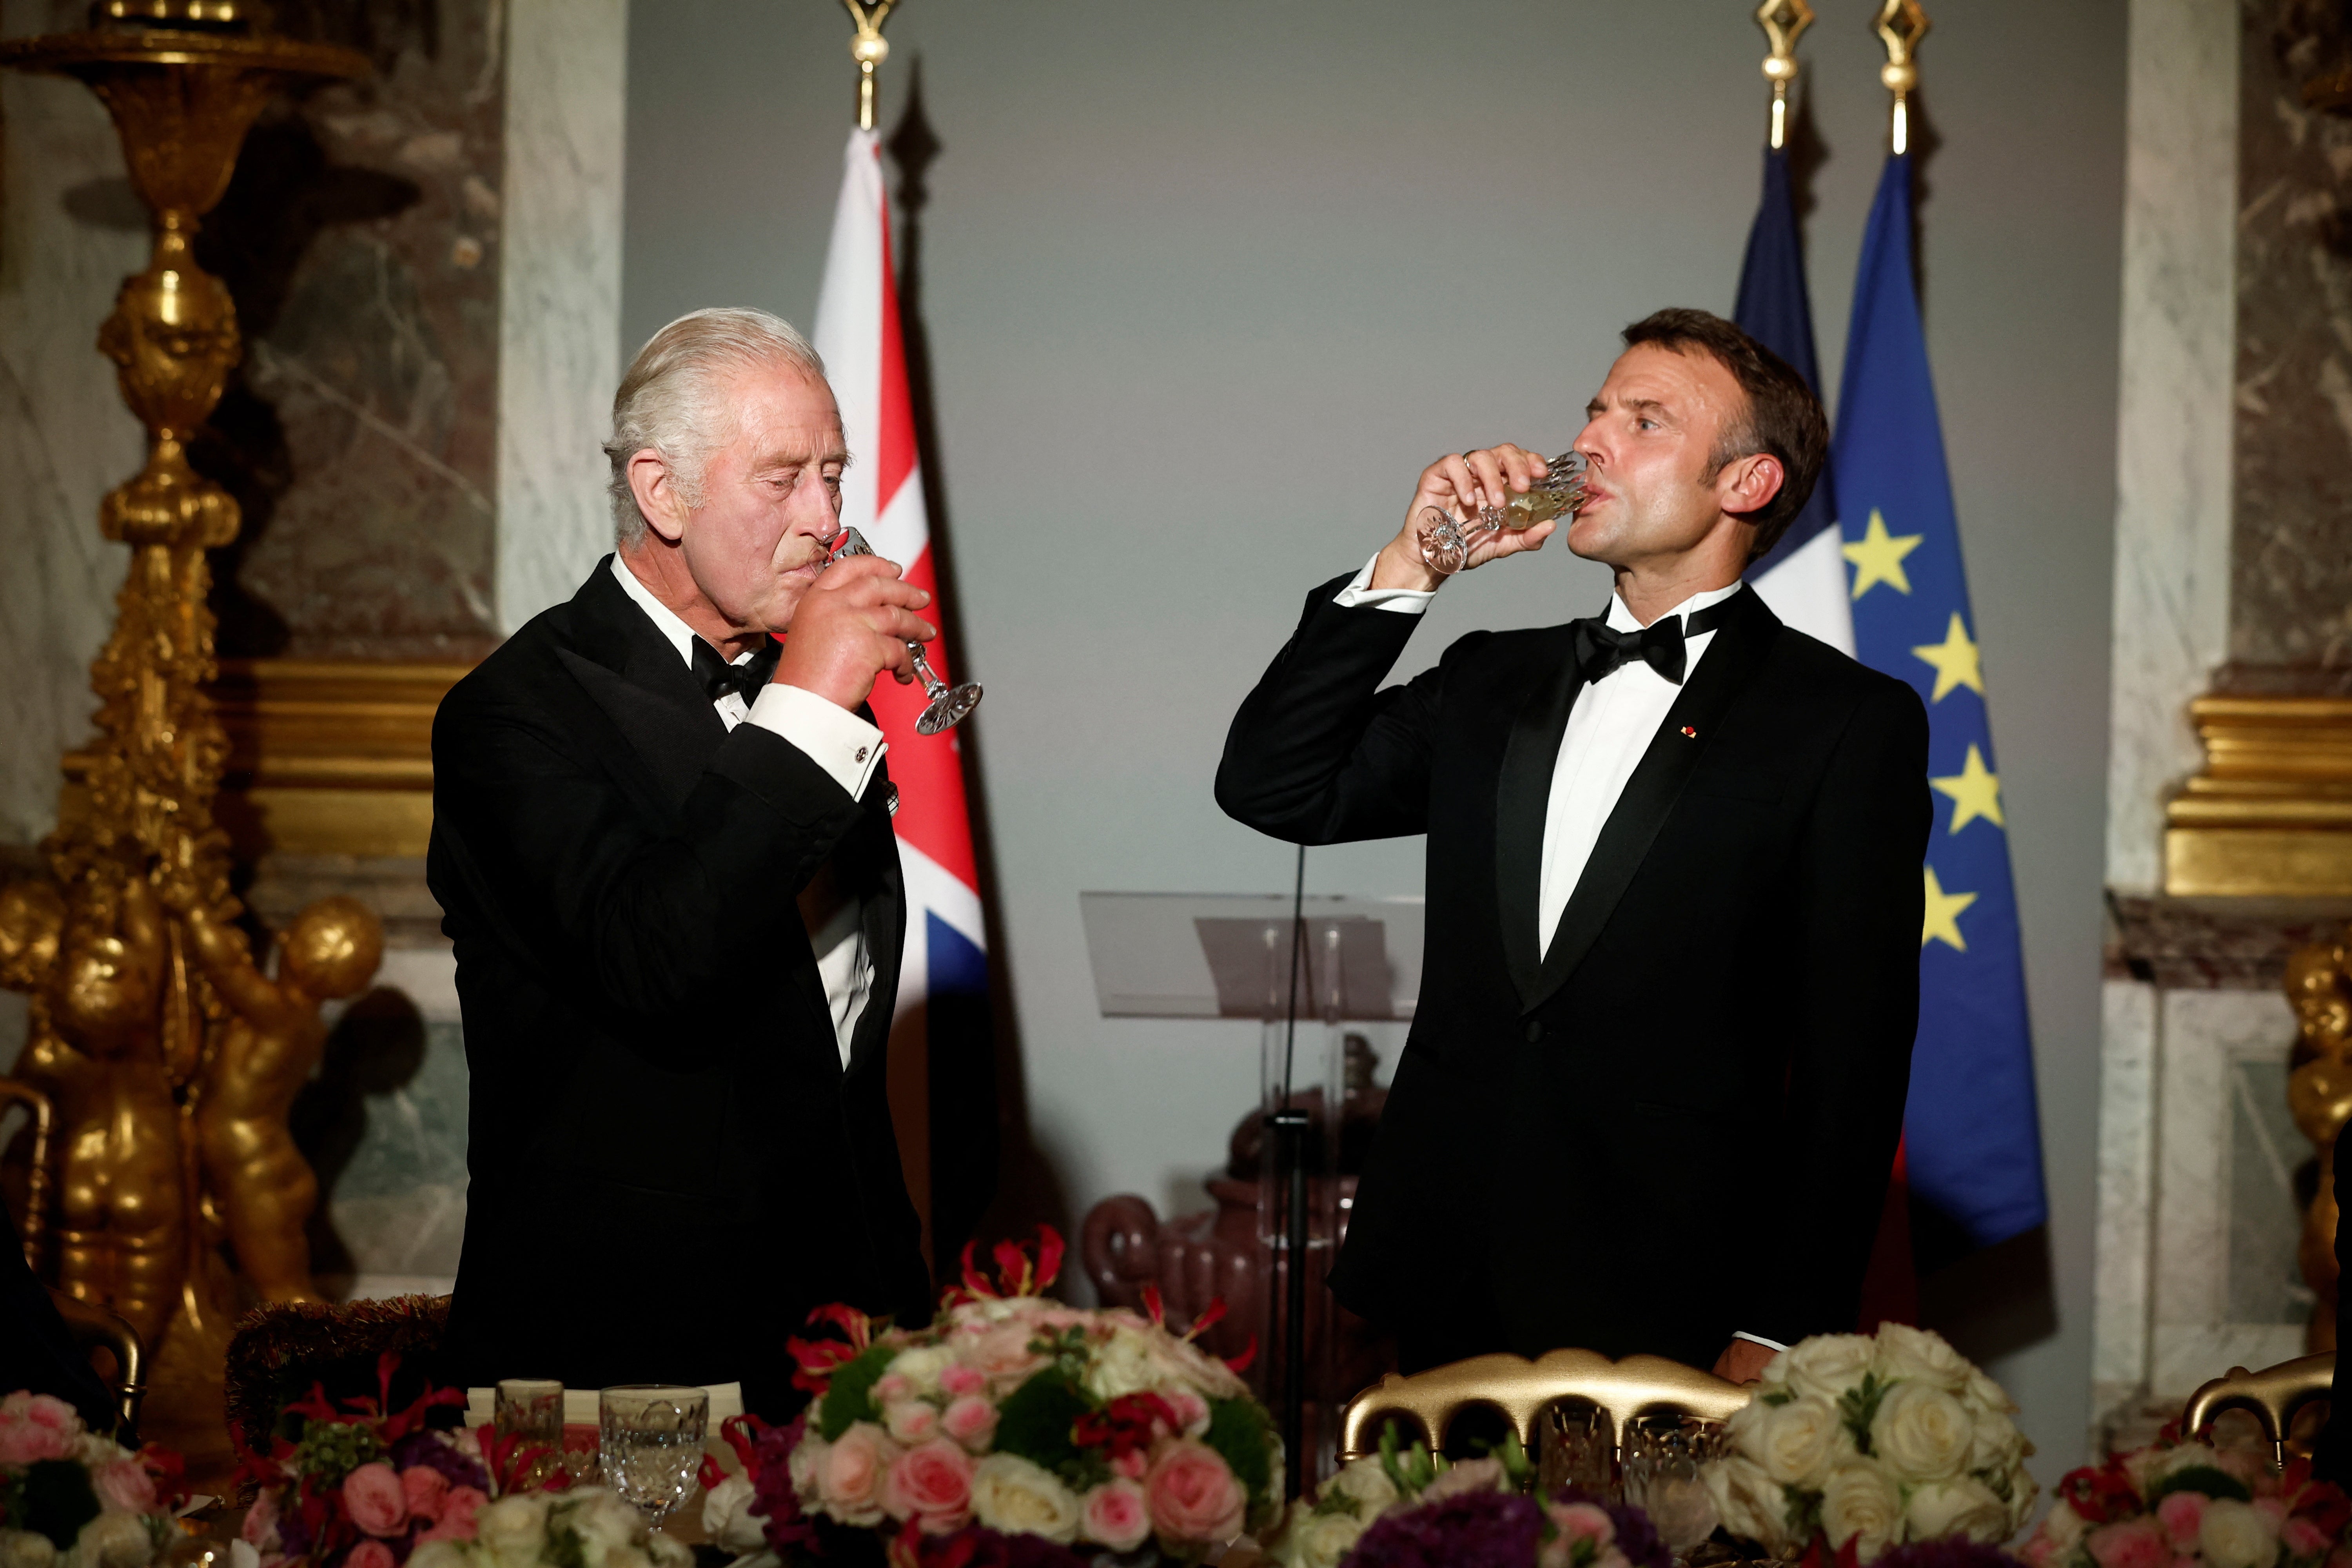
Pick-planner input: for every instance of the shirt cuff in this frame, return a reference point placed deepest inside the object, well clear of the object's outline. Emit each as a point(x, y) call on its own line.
point(1360, 594)
point(1758, 1339)
point(834, 738)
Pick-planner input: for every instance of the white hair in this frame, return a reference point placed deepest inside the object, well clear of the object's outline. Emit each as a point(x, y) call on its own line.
point(670, 400)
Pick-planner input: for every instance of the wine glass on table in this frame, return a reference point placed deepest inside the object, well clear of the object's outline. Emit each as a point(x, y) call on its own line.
point(1448, 541)
point(649, 1439)
point(949, 704)
point(531, 1410)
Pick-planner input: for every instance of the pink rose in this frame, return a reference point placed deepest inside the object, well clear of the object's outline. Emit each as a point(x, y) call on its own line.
point(35, 1426)
point(2136, 1543)
point(930, 1483)
point(2038, 1552)
point(2182, 1515)
point(259, 1530)
point(375, 1499)
point(457, 1511)
point(892, 1387)
point(1003, 1356)
point(2304, 1539)
point(911, 1421)
point(1194, 1498)
point(124, 1486)
point(1131, 1464)
point(1582, 1522)
point(970, 1419)
point(427, 1490)
point(2272, 1508)
point(960, 1380)
point(850, 1480)
point(369, 1554)
point(1117, 1515)
point(1192, 1411)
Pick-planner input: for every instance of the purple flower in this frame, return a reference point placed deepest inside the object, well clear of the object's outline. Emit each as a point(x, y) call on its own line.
point(1956, 1551)
point(1472, 1530)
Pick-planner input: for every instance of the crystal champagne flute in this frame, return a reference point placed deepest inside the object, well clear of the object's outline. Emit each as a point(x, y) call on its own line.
point(949, 704)
point(1446, 541)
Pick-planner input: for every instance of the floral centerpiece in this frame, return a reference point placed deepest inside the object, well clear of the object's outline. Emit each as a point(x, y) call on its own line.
point(1870, 1441)
point(369, 1487)
point(71, 1498)
point(2181, 1504)
point(1410, 1509)
point(1012, 1429)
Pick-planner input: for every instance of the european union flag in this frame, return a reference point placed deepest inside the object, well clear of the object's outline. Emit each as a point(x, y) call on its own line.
point(1972, 1137)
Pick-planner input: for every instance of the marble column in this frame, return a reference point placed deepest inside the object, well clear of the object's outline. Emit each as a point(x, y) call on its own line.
point(560, 315)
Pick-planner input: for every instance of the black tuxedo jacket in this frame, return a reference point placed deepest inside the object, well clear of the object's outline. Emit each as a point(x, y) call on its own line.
point(670, 1166)
point(1678, 1121)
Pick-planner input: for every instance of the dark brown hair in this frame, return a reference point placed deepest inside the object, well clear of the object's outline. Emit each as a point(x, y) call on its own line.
point(1783, 418)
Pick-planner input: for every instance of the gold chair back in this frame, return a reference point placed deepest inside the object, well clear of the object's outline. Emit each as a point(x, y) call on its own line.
point(91, 1326)
point(2273, 1395)
point(1521, 1388)
point(36, 1184)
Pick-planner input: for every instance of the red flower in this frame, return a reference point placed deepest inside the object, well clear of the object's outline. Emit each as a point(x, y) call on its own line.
point(2100, 1495)
point(1130, 1423)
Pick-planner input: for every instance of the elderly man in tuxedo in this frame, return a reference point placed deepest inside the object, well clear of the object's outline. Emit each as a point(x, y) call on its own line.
point(662, 842)
point(1657, 1076)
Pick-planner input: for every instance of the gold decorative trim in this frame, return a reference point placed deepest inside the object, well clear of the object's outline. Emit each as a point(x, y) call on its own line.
point(2272, 814)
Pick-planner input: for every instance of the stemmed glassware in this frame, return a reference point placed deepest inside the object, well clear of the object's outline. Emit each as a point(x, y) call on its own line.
point(650, 1440)
point(532, 1410)
point(1448, 541)
point(949, 704)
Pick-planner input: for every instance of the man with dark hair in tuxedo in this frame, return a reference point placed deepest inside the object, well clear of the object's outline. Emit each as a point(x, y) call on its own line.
point(663, 846)
point(1656, 1074)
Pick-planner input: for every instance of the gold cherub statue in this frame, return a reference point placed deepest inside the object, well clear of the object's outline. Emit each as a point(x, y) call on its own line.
point(2319, 1093)
point(267, 1048)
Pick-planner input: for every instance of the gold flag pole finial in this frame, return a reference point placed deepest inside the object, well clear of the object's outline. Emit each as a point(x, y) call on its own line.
point(869, 49)
point(1900, 25)
point(1784, 22)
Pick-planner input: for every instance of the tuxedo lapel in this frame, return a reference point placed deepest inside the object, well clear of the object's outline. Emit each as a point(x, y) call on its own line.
point(1522, 795)
point(1657, 783)
point(635, 676)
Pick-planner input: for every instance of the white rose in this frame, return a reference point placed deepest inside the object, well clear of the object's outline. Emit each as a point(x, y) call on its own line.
point(1367, 1481)
point(113, 1540)
point(1963, 1507)
point(804, 1464)
point(1749, 1501)
point(1921, 1432)
point(921, 1366)
point(428, 1554)
point(2062, 1527)
point(1920, 1355)
point(1827, 1365)
point(1797, 1442)
point(243, 1554)
point(25, 1549)
point(1122, 1365)
point(1319, 1541)
point(512, 1529)
point(664, 1552)
point(727, 1518)
point(1994, 1442)
point(2236, 1535)
point(609, 1530)
point(1983, 1393)
point(1012, 1496)
point(2022, 1489)
point(1859, 1505)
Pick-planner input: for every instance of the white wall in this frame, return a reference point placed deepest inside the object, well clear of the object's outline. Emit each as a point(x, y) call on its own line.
point(1207, 284)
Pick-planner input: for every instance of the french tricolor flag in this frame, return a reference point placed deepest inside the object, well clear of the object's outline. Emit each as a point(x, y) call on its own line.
point(882, 497)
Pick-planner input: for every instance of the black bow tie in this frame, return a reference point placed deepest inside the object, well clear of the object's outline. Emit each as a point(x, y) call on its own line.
point(1600, 648)
point(718, 678)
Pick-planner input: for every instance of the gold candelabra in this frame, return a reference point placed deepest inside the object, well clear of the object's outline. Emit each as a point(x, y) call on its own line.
point(168, 1056)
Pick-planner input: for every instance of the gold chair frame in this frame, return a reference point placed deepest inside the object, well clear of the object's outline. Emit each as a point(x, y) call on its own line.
point(36, 1181)
point(2273, 1395)
point(1520, 1389)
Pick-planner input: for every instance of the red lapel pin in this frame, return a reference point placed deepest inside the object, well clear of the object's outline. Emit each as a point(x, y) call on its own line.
point(1691, 732)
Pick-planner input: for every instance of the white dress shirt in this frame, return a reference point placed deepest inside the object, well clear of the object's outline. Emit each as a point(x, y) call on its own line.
point(845, 746)
point(1612, 723)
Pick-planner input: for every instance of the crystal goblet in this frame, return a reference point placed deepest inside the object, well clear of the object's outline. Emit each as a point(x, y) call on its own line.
point(949, 704)
point(1448, 541)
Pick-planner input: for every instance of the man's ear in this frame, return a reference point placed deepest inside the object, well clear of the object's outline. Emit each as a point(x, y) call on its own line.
point(655, 485)
point(1747, 484)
